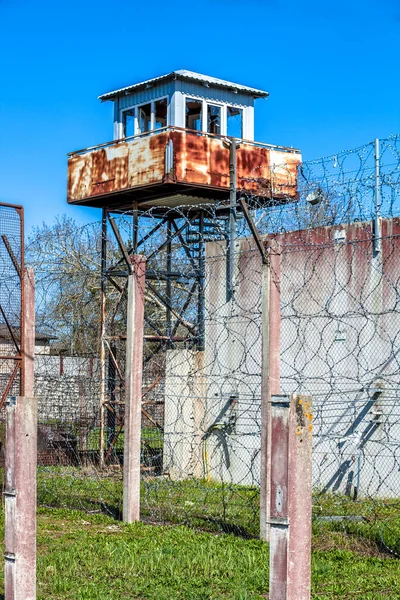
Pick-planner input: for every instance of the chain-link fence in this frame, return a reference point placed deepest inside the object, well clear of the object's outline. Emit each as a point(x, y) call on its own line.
point(11, 338)
point(201, 406)
point(11, 261)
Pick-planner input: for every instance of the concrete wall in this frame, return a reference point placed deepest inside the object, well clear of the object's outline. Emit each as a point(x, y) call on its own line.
point(67, 388)
point(340, 330)
point(184, 419)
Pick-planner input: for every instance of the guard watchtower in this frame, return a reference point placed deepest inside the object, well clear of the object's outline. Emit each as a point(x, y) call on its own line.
point(182, 164)
point(171, 147)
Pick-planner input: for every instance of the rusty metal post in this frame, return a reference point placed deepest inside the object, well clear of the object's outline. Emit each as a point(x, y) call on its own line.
point(230, 257)
point(270, 373)
point(133, 389)
point(102, 357)
point(290, 517)
point(20, 466)
point(377, 228)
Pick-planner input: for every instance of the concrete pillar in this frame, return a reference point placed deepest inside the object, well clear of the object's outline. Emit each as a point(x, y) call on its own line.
point(28, 333)
point(21, 464)
point(270, 372)
point(300, 497)
point(20, 498)
point(133, 390)
point(291, 485)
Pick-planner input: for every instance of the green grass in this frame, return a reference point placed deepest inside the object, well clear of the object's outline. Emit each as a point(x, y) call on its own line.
point(196, 502)
point(150, 435)
point(94, 557)
point(213, 506)
point(376, 520)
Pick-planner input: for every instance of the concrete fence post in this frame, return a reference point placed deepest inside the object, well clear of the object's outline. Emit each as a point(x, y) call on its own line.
point(291, 486)
point(28, 333)
point(133, 390)
point(270, 373)
point(20, 466)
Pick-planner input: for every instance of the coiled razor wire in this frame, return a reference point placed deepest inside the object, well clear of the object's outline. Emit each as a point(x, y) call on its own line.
point(340, 331)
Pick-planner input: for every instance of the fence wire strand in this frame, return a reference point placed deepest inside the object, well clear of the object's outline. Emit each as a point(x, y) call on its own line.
point(201, 406)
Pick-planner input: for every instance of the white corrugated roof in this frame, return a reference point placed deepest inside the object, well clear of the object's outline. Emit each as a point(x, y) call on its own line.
point(191, 76)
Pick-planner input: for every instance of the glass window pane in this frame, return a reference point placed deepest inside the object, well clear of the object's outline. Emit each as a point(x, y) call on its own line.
point(234, 122)
point(128, 121)
point(160, 117)
point(144, 118)
point(213, 119)
point(193, 114)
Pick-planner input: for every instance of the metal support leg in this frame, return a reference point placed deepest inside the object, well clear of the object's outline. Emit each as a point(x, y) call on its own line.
point(102, 390)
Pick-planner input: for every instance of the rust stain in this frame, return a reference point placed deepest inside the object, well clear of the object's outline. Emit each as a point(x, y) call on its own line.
point(109, 169)
point(197, 160)
point(304, 416)
point(147, 160)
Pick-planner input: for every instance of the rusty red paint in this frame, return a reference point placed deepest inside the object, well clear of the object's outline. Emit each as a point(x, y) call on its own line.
point(278, 564)
point(279, 498)
point(198, 160)
point(279, 464)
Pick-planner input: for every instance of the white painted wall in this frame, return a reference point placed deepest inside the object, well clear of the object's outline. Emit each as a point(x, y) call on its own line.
point(340, 324)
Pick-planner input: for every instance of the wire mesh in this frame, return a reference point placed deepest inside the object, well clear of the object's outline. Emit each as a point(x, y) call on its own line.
point(11, 264)
point(200, 456)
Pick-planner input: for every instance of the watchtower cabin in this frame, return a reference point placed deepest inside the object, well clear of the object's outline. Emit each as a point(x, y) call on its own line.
point(175, 138)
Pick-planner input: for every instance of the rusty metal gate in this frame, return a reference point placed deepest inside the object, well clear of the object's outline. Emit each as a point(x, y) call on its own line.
point(11, 300)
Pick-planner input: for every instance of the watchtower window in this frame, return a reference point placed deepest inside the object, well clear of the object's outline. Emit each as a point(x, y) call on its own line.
point(160, 113)
point(234, 120)
point(193, 114)
point(213, 119)
point(129, 122)
point(144, 118)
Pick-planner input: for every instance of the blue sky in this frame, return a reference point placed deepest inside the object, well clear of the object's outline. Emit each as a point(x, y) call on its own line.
point(332, 70)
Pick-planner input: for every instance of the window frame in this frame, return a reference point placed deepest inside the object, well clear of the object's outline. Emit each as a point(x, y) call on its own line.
point(241, 108)
point(222, 119)
point(202, 102)
point(224, 114)
point(135, 108)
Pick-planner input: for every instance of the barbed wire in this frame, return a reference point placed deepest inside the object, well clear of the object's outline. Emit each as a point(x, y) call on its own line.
point(201, 408)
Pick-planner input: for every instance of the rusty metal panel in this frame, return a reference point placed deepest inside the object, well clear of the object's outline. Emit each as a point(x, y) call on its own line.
point(117, 167)
point(261, 171)
point(284, 173)
point(147, 160)
point(109, 169)
point(79, 177)
point(198, 160)
point(266, 172)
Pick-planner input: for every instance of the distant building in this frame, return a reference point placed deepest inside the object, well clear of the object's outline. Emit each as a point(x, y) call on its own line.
point(7, 347)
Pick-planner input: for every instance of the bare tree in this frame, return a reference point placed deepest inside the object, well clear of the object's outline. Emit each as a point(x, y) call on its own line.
point(66, 259)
